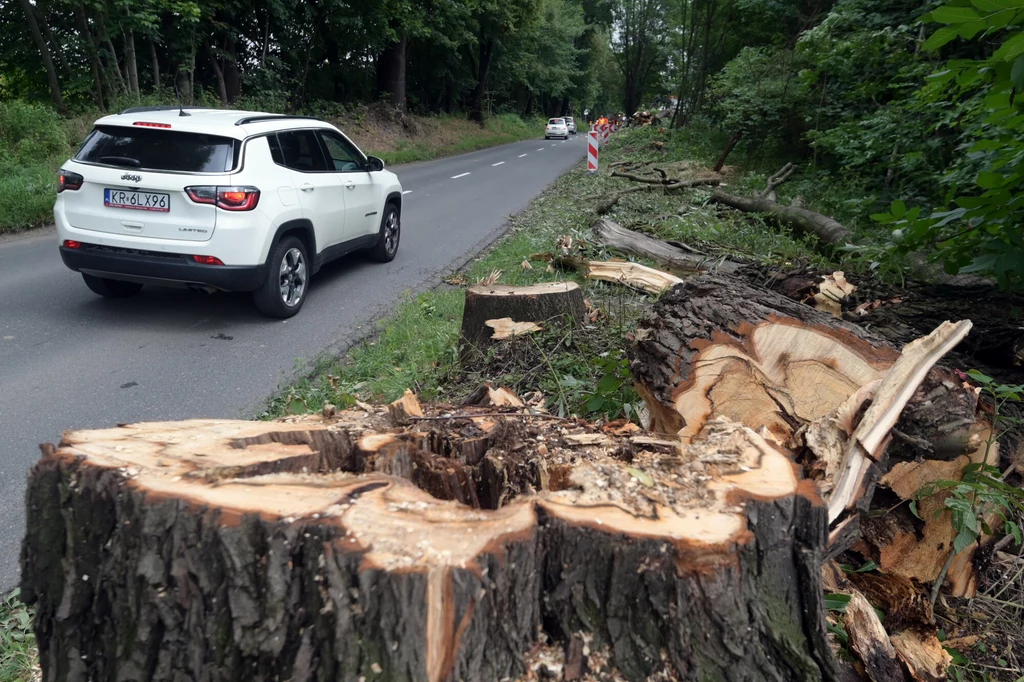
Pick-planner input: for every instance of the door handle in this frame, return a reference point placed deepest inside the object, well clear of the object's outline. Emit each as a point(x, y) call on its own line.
point(307, 187)
point(350, 184)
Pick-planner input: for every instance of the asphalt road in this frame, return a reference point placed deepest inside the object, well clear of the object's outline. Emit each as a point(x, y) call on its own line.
point(71, 360)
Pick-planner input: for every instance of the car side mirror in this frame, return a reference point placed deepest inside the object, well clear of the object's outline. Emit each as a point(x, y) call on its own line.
point(374, 164)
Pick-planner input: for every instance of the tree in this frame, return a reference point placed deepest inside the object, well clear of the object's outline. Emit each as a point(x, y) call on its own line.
point(44, 53)
point(640, 32)
point(979, 225)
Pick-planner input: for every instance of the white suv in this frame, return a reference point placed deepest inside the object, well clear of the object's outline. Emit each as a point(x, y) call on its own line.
point(221, 200)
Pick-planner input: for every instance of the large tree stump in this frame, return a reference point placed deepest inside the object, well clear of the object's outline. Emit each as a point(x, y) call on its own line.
point(228, 550)
point(545, 303)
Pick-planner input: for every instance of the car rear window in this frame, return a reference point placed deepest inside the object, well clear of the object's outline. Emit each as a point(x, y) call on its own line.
point(156, 149)
point(555, 121)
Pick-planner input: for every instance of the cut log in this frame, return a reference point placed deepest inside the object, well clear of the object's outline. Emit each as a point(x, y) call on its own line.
point(923, 655)
point(308, 550)
point(673, 259)
point(632, 275)
point(539, 304)
point(870, 641)
point(488, 396)
point(828, 230)
point(405, 408)
point(506, 328)
point(826, 360)
point(713, 347)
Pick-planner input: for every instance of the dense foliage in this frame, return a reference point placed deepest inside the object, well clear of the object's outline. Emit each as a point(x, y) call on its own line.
point(911, 107)
point(480, 56)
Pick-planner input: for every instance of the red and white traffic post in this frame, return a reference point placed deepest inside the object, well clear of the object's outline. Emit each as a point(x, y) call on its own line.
point(592, 145)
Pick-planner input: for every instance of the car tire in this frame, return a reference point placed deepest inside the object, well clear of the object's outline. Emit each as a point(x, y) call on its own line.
point(389, 236)
point(288, 272)
point(111, 288)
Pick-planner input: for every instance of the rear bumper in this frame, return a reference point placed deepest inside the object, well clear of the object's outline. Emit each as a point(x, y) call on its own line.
point(149, 267)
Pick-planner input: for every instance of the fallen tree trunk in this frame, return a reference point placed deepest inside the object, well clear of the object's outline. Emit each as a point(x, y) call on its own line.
point(675, 260)
point(307, 550)
point(828, 230)
point(715, 347)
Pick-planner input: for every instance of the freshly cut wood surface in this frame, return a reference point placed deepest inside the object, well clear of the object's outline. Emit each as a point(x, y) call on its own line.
point(308, 548)
point(509, 308)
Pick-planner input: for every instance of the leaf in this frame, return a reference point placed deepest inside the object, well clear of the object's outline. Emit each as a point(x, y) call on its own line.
point(1013, 47)
point(990, 180)
point(964, 539)
point(954, 15)
point(1017, 73)
point(643, 477)
point(609, 384)
point(968, 31)
point(936, 40)
point(899, 209)
point(836, 601)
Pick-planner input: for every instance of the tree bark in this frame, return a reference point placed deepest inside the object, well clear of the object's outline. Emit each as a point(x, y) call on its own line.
point(94, 57)
point(114, 64)
point(540, 303)
point(232, 80)
point(44, 52)
point(52, 42)
point(676, 260)
point(155, 63)
point(222, 90)
point(131, 62)
point(304, 550)
point(829, 231)
point(391, 72)
point(733, 140)
point(486, 51)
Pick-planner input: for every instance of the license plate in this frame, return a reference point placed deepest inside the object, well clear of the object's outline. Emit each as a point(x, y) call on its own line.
point(142, 201)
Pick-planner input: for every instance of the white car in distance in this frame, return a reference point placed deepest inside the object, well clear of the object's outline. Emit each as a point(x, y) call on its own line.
point(570, 123)
point(556, 128)
point(221, 200)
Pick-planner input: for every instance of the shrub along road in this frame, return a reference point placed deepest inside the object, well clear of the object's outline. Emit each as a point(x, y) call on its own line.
point(69, 359)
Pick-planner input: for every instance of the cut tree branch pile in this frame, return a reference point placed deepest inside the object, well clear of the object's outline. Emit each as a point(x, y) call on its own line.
point(487, 541)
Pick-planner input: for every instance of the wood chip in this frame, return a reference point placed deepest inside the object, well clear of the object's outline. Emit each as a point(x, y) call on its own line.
point(505, 328)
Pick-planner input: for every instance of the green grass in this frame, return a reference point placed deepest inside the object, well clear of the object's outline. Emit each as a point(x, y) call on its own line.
point(496, 131)
point(18, 655)
point(27, 194)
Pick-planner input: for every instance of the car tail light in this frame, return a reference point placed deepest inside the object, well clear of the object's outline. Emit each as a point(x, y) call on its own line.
point(147, 124)
point(68, 180)
point(227, 198)
point(208, 260)
point(72, 244)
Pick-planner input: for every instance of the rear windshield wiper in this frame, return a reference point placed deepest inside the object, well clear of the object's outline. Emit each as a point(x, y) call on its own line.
point(126, 161)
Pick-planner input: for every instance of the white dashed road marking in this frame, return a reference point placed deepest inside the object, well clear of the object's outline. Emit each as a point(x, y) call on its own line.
point(498, 164)
point(522, 155)
point(460, 175)
point(407, 191)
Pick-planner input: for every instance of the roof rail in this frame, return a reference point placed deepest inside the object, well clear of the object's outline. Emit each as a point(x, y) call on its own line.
point(169, 107)
point(270, 117)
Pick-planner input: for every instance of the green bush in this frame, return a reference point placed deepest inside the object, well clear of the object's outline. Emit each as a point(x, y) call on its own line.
point(27, 194)
point(29, 133)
